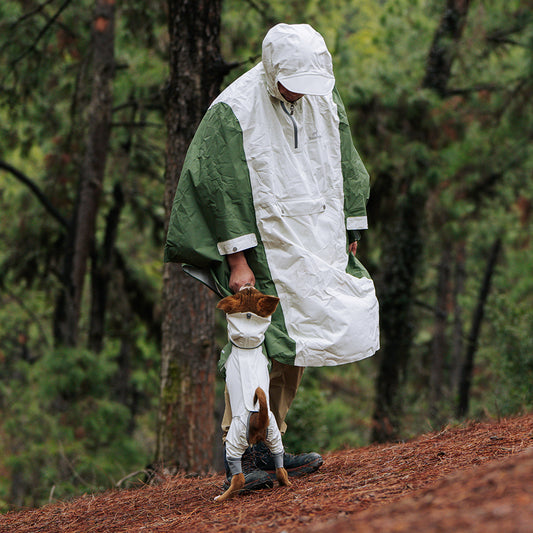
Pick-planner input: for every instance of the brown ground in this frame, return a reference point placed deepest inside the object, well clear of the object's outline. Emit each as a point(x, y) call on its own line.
point(475, 478)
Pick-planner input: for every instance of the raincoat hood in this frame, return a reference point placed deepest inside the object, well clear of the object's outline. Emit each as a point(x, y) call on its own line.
point(296, 56)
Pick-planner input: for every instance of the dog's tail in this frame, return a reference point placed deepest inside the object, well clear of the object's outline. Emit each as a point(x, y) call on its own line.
point(258, 421)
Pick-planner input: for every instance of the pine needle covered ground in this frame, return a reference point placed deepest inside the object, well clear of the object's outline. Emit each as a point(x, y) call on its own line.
point(477, 477)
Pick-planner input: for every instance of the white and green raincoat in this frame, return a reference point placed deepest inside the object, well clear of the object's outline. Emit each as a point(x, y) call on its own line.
point(284, 183)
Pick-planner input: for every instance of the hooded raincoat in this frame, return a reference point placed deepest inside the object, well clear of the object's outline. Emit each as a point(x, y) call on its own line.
point(284, 183)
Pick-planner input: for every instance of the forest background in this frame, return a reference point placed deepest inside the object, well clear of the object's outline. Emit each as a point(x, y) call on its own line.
point(438, 94)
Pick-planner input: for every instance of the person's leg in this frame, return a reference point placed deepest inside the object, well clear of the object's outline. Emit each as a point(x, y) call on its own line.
point(226, 418)
point(284, 383)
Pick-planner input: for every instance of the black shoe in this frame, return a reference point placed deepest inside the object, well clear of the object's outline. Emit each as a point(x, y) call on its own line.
point(296, 465)
point(254, 478)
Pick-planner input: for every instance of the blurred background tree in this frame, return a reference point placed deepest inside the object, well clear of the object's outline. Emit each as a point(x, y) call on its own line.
point(81, 225)
point(438, 97)
point(186, 425)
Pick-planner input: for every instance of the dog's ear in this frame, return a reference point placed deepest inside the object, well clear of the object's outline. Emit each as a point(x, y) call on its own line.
point(229, 304)
point(266, 305)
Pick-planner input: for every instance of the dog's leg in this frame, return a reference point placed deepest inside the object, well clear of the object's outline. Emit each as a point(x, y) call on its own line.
point(237, 483)
point(282, 477)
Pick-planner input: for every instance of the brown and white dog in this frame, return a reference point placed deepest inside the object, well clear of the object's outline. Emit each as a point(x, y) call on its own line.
point(248, 313)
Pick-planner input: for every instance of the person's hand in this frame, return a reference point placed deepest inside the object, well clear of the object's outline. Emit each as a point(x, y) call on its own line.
point(240, 273)
point(353, 247)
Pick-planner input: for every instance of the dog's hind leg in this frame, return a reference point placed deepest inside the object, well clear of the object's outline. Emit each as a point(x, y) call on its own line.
point(237, 478)
point(275, 446)
point(237, 483)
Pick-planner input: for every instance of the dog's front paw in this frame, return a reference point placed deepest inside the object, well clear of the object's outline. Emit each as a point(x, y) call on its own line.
point(283, 477)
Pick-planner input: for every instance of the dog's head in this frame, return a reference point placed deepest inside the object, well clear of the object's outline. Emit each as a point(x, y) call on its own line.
point(249, 300)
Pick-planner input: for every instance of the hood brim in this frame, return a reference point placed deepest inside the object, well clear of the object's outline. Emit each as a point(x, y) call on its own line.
point(313, 84)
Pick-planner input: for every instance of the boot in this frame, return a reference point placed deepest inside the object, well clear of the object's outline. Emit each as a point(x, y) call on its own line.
point(296, 465)
point(254, 478)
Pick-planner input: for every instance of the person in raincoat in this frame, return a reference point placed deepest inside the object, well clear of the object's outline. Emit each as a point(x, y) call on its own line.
point(273, 193)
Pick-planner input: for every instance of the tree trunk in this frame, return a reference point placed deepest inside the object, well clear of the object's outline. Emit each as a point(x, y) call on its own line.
point(104, 259)
point(102, 267)
point(186, 424)
point(439, 345)
point(473, 337)
point(459, 277)
point(404, 246)
point(444, 47)
point(82, 238)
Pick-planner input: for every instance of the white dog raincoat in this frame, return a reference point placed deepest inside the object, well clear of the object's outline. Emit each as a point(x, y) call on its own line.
point(247, 369)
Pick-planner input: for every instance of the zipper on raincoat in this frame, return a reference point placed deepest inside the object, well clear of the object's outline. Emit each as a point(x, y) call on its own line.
point(294, 125)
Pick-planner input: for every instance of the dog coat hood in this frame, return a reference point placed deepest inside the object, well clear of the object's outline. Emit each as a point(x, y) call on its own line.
point(247, 330)
point(284, 183)
point(297, 56)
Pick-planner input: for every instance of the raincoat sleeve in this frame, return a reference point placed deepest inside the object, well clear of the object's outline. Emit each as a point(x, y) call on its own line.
point(355, 177)
point(212, 214)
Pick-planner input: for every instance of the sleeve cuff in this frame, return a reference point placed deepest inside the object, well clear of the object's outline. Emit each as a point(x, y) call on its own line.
point(237, 245)
point(353, 223)
point(278, 460)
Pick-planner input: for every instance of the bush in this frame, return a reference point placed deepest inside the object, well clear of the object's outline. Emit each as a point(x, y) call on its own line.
point(63, 431)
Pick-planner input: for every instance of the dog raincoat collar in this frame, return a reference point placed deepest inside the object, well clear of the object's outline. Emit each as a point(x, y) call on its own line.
point(247, 330)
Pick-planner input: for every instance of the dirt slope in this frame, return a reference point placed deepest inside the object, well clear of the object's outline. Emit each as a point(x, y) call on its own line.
point(474, 478)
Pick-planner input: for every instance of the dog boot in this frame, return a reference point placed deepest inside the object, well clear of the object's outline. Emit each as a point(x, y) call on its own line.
point(254, 478)
point(296, 465)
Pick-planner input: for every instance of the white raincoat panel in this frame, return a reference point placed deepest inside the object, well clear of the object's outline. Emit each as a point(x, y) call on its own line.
point(294, 158)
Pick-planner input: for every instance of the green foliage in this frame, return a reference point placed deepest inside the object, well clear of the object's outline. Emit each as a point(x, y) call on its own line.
point(74, 420)
point(332, 409)
point(74, 373)
point(306, 421)
point(62, 428)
